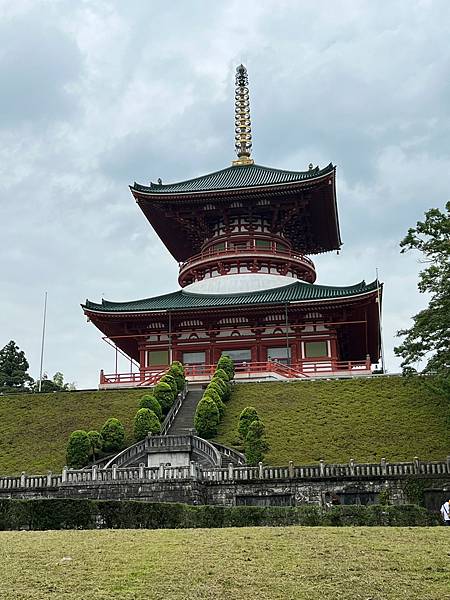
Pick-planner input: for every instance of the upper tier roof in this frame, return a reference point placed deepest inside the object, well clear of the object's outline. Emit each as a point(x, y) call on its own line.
point(181, 300)
point(234, 177)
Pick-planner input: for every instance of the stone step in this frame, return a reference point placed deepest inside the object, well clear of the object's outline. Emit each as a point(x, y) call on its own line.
point(185, 417)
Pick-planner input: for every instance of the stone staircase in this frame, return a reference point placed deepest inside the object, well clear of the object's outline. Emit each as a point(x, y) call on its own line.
point(184, 420)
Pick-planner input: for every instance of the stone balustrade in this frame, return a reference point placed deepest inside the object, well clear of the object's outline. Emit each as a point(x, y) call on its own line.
point(322, 471)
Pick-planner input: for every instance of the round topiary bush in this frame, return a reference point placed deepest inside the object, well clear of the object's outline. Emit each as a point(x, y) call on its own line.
point(164, 394)
point(222, 374)
point(206, 418)
point(113, 434)
point(149, 401)
point(255, 445)
point(211, 393)
point(95, 442)
point(247, 416)
point(227, 364)
point(177, 371)
point(78, 449)
point(170, 379)
point(226, 387)
point(145, 421)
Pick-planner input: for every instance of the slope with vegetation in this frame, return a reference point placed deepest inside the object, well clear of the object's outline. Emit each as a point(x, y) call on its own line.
point(336, 420)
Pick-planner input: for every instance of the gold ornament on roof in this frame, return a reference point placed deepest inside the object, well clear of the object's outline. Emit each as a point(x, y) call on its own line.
point(243, 127)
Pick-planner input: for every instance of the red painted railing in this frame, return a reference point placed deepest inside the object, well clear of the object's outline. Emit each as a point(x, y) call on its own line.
point(251, 252)
point(300, 370)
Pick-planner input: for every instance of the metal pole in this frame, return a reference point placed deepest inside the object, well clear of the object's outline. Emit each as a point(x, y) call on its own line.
point(383, 369)
point(288, 350)
point(42, 341)
point(170, 338)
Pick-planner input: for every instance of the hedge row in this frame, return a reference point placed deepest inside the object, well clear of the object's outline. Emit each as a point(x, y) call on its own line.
point(113, 514)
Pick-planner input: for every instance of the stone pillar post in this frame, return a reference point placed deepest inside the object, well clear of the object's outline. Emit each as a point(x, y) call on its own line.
point(49, 479)
point(261, 471)
point(352, 467)
point(94, 472)
point(230, 471)
point(64, 475)
point(161, 471)
point(23, 480)
point(448, 464)
point(141, 470)
point(291, 470)
point(114, 471)
point(192, 470)
point(416, 464)
point(383, 466)
point(322, 467)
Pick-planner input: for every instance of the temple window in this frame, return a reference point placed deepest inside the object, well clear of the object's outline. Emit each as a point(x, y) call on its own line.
point(194, 358)
point(281, 355)
point(157, 358)
point(316, 349)
point(239, 356)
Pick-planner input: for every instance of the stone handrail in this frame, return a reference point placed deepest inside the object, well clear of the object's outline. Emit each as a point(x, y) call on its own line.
point(234, 455)
point(193, 471)
point(170, 417)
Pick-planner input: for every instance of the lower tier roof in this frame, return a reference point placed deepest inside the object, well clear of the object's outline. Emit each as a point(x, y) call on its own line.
point(182, 300)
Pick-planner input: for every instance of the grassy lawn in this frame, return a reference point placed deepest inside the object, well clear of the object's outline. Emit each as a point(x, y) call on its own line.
point(364, 419)
point(264, 563)
point(34, 428)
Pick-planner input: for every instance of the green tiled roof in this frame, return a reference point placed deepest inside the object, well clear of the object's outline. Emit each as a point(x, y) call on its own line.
point(238, 176)
point(294, 292)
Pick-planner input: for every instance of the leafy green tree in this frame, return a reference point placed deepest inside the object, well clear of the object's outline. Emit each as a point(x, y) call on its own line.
point(227, 364)
point(14, 367)
point(95, 443)
point(113, 435)
point(149, 401)
point(429, 336)
point(165, 396)
point(255, 445)
point(78, 449)
point(206, 419)
point(247, 416)
point(145, 421)
point(56, 384)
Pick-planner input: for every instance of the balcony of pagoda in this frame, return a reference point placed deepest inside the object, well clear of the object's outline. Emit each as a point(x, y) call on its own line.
point(213, 263)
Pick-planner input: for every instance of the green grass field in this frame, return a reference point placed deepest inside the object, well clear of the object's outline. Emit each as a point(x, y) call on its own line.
point(364, 419)
point(306, 421)
point(34, 428)
point(236, 564)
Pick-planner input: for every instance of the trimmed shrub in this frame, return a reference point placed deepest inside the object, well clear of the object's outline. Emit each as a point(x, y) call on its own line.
point(214, 385)
point(170, 379)
point(95, 442)
point(78, 449)
point(226, 387)
point(206, 418)
point(67, 513)
point(222, 374)
point(247, 416)
point(177, 371)
point(145, 421)
point(113, 434)
point(255, 445)
point(227, 364)
point(212, 393)
point(149, 401)
point(165, 396)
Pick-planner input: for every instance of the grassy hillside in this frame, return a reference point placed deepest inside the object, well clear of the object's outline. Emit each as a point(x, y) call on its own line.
point(364, 419)
point(34, 427)
point(211, 564)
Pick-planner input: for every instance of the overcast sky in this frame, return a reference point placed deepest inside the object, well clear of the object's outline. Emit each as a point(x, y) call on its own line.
point(97, 94)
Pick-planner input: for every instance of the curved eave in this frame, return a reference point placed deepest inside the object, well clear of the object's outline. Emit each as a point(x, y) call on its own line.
point(158, 192)
point(97, 309)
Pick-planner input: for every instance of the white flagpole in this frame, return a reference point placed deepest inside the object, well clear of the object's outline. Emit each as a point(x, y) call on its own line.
point(42, 341)
point(380, 321)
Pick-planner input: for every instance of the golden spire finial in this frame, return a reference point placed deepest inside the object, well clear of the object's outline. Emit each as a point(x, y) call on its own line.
point(243, 126)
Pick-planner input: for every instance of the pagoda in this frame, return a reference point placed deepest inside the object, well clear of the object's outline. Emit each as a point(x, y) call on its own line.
point(243, 237)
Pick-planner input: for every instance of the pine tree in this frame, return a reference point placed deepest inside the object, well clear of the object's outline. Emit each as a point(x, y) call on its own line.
point(13, 369)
